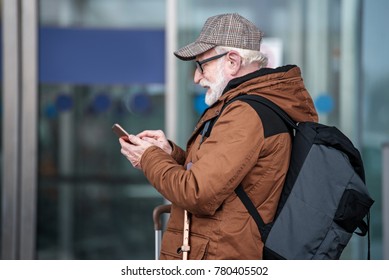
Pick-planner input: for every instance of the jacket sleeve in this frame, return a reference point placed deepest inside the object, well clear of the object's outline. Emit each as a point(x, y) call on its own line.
point(177, 154)
point(219, 164)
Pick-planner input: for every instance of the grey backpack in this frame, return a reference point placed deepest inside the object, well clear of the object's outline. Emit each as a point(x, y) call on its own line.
point(324, 199)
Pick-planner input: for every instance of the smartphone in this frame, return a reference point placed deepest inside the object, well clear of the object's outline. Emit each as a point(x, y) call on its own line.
point(119, 131)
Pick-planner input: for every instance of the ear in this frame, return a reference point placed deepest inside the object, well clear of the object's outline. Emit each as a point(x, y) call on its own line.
point(234, 63)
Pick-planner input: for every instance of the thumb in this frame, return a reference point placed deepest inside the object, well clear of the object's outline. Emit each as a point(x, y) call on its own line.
point(134, 139)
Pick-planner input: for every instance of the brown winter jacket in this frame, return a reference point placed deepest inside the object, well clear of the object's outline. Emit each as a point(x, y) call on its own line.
point(235, 152)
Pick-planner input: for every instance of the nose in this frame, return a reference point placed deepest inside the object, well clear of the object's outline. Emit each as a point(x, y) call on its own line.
point(197, 76)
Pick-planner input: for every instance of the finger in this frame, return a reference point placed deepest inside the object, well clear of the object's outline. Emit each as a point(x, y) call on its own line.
point(125, 138)
point(135, 140)
point(156, 134)
point(150, 140)
point(131, 156)
point(147, 133)
point(124, 141)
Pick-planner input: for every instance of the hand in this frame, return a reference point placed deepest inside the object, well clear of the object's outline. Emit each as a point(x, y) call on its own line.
point(133, 148)
point(157, 138)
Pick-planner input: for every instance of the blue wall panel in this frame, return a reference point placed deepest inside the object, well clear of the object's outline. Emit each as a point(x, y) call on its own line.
point(101, 56)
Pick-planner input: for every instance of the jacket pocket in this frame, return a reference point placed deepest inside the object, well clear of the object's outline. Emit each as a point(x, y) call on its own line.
point(172, 242)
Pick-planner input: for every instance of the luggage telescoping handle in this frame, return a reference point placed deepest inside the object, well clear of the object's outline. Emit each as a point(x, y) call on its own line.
point(185, 248)
point(157, 213)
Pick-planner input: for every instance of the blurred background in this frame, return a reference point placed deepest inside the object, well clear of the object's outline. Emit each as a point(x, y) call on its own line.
point(73, 68)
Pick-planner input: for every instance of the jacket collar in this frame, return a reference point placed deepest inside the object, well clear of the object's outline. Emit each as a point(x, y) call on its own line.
point(261, 72)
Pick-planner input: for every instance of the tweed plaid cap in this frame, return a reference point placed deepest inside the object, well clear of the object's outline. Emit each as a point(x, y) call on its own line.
point(230, 30)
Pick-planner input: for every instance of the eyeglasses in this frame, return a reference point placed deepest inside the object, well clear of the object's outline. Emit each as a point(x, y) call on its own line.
point(199, 64)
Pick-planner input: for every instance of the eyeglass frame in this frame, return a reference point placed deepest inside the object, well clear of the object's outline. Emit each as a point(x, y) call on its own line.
point(200, 63)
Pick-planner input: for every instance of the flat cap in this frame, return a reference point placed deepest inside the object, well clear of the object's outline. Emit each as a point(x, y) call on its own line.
point(230, 30)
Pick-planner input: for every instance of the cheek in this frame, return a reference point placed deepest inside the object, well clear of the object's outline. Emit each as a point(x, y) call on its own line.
point(211, 79)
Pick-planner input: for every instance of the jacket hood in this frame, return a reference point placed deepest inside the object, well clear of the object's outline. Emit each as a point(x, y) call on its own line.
point(283, 85)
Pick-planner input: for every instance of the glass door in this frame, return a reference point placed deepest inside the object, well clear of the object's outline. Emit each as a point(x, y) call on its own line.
point(100, 63)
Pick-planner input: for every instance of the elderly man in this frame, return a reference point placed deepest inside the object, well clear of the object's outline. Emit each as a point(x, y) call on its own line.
point(242, 149)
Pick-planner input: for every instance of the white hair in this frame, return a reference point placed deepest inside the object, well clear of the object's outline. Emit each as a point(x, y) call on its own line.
point(248, 56)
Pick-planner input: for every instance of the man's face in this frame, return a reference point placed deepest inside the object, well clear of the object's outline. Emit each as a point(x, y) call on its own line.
point(212, 78)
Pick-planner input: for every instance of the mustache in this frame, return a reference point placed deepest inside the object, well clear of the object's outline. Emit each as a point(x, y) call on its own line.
point(205, 83)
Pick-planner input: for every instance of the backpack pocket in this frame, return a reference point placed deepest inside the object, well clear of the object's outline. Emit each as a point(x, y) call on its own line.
point(333, 244)
point(352, 209)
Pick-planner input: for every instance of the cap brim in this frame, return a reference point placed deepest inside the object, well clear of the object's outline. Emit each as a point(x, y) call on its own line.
point(189, 52)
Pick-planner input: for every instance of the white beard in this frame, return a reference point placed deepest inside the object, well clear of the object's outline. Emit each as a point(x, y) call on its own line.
point(215, 89)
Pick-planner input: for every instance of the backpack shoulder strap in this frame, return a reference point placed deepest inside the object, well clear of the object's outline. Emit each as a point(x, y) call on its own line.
point(281, 113)
point(255, 101)
point(271, 126)
point(251, 99)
